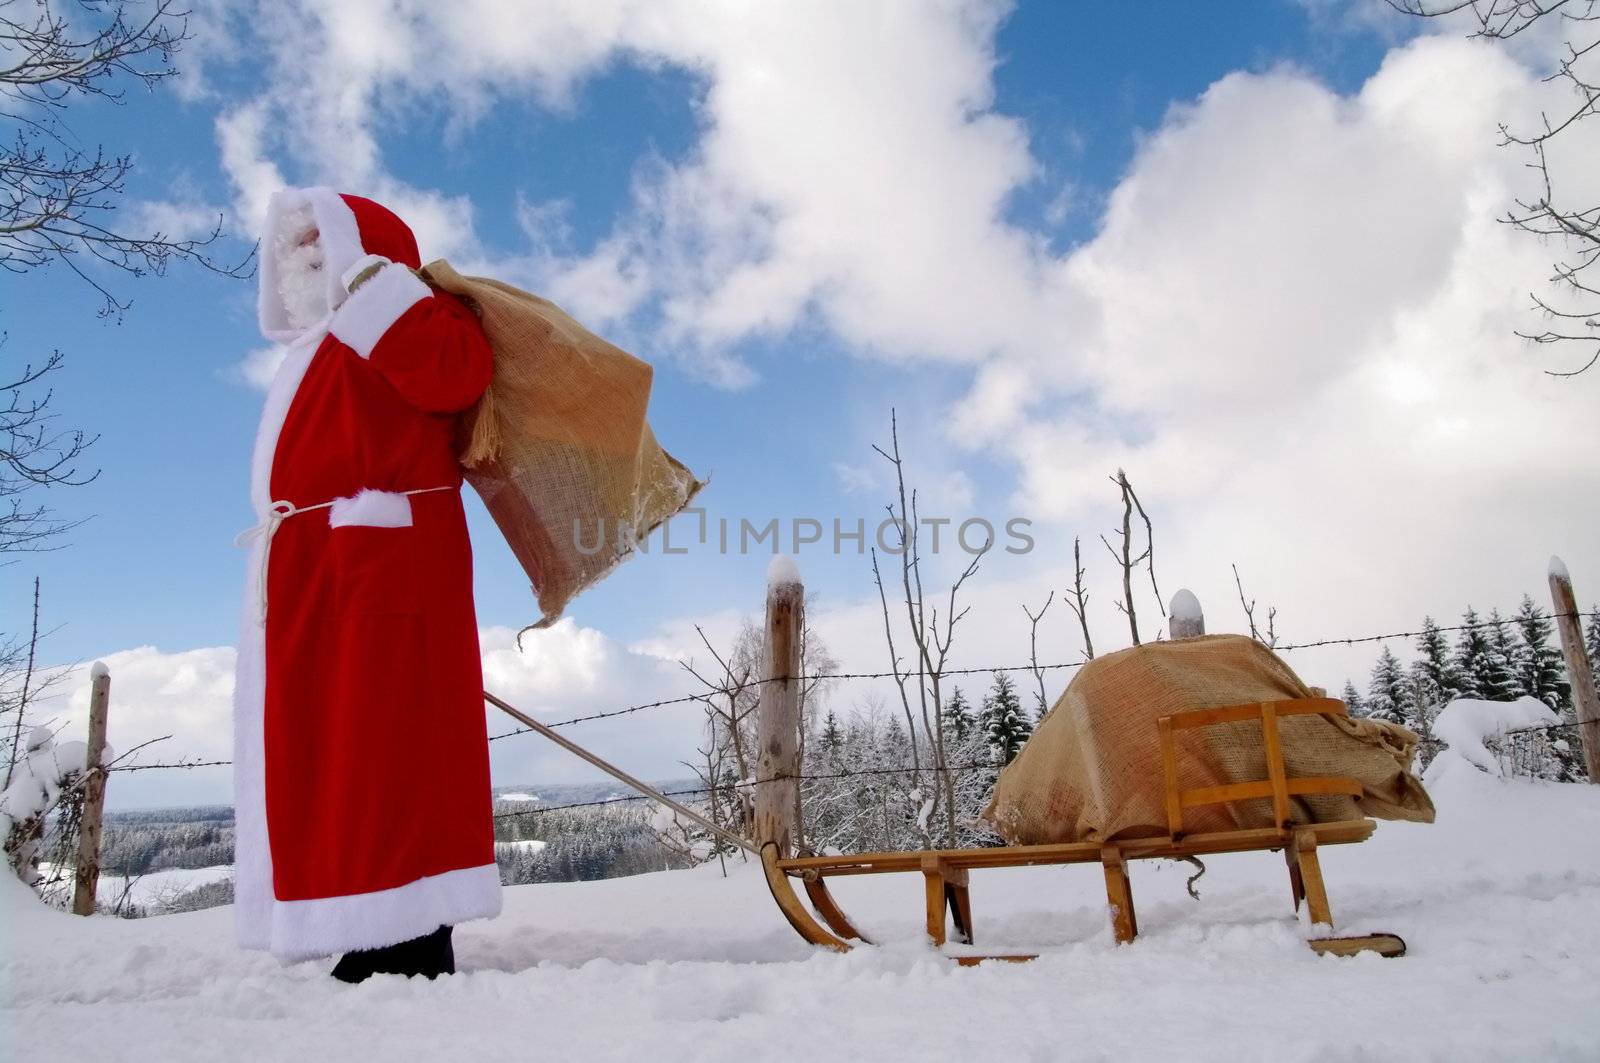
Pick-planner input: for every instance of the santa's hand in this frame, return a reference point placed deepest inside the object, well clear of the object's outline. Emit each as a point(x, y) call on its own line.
point(365, 268)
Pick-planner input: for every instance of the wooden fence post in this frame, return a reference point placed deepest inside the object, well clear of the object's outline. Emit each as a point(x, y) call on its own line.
point(778, 765)
point(86, 879)
point(1185, 620)
point(1585, 700)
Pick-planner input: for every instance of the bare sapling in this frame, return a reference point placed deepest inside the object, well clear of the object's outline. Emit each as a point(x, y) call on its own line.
point(1127, 560)
point(730, 704)
point(1079, 601)
point(1042, 705)
point(1270, 639)
point(931, 636)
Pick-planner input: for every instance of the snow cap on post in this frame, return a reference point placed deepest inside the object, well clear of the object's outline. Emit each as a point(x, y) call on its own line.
point(1558, 569)
point(98, 670)
point(782, 570)
point(1185, 620)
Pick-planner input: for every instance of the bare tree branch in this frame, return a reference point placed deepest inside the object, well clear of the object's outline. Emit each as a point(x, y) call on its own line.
point(1572, 228)
point(57, 198)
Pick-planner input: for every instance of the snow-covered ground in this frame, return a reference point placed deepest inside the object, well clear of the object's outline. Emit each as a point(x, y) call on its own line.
point(1499, 901)
point(155, 888)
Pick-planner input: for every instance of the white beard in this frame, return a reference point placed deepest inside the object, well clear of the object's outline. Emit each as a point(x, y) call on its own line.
point(302, 284)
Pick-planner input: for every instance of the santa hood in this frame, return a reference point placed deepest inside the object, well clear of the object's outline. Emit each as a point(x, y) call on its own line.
point(350, 228)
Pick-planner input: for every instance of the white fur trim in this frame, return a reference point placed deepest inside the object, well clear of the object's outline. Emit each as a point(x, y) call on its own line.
point(280, 393)
point(360, 264)
point(252, 873)
point(252, 855)
point(371, 509)
point(341, 246)
point(375, 306)
point(326, 925)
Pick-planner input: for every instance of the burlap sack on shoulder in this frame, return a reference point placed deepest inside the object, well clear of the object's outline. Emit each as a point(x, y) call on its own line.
point(559, 448)
point(1092, 770)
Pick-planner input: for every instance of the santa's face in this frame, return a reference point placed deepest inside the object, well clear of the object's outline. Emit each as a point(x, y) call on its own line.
point(297, 246)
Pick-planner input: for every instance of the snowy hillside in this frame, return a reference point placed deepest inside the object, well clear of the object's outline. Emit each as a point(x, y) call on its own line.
point(1499, 901)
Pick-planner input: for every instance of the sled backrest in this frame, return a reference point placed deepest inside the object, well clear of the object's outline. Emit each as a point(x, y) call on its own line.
point(1277, 786)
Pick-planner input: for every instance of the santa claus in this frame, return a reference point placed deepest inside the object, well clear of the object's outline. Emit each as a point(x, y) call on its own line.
point(361, 770)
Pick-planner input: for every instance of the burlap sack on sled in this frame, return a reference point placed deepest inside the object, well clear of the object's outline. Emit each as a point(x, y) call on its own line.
point(1092, 770)
point(558, 448)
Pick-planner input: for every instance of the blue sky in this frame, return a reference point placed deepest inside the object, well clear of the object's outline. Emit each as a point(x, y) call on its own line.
point(155, 564)
point(1117, 136)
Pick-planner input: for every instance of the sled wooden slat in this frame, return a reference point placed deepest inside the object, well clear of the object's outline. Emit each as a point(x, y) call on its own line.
point(945, 871)
point(1244, 791)
point(1239, 713)
point(1337, 833)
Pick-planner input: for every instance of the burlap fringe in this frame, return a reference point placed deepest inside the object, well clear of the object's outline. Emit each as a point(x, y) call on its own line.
point(486, 435)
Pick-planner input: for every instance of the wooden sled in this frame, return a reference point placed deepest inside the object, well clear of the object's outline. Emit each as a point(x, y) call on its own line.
point(945, 871)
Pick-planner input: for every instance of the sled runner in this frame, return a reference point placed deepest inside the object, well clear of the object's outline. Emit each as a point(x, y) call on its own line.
point(945, 872)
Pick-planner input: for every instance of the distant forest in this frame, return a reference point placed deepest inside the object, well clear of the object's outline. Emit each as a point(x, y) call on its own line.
point(604, 840)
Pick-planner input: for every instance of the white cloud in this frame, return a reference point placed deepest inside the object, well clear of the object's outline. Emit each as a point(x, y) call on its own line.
point(177, 219)
point(855, 479)
point(850, 163)
point(1293, 326)
point(257, 368)
point(154, 694)
point(1301, 346)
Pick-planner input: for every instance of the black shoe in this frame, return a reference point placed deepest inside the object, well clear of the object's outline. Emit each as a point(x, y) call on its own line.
point(429, 956)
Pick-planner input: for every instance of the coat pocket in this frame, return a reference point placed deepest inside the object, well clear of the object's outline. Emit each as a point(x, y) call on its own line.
point(375, 550)
point(371, 509)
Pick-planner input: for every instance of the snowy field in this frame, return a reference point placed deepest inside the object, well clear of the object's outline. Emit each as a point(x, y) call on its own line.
point(1499, 902)
point(153, 888)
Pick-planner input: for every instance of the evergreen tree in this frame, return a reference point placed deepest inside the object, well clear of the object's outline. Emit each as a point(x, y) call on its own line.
point(1005, 724)
point(1592, 643)
point(1432, 672)
point(894, 751)
point(1388, 694)
point(1501, 679)
point(1471, 660)
point(1539, 666)
point(957, 717)
point(1353, 703)
point(832, 737)
point(1421, 709)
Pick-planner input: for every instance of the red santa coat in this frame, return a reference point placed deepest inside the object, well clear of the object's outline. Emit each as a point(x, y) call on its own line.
point(362, 802)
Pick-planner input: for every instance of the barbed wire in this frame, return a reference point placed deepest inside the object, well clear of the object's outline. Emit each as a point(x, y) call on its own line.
point(924, 674)
point(803, 678)
point(1413, 634)
point(622, 712)
point(942, 673)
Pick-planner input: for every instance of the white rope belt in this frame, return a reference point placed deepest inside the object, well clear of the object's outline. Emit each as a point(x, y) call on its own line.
point(280, 511)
